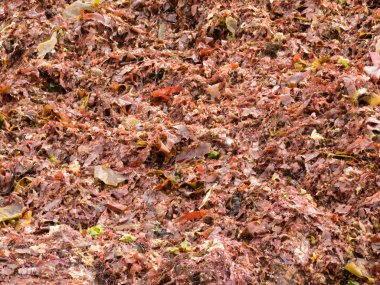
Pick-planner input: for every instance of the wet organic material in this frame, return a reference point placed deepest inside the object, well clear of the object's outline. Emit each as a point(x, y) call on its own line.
point(189, 142)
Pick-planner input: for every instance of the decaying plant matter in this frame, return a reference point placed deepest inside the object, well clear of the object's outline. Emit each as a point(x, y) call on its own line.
point(189, 142)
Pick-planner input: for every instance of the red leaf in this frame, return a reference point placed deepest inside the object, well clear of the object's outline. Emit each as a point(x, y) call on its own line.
point(372, 200)
point(375, 58)
point(116, 207)
point(4, 89)
point(193, 152)
point(166, 93)
point(196, 215)
point(297, 57)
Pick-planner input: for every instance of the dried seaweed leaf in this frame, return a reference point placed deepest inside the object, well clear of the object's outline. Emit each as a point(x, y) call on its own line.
point(196, 215)
point(198, 151)
point(166, 93)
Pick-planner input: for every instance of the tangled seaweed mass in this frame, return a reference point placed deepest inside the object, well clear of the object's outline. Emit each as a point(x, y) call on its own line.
point(189, 142)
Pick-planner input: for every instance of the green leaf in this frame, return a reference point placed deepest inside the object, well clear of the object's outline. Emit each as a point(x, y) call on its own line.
point(213, 154)
point(173, 249)
point(351, 282)
point(127, 238)
point(10, 212)
point(1, 121)
point(231, 24)
point(344, 62)
point(185, 246)
point(52, 158)
point(96, 230)
point(46, 46)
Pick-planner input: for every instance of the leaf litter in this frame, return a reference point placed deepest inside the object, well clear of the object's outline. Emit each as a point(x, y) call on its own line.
point(189, 142)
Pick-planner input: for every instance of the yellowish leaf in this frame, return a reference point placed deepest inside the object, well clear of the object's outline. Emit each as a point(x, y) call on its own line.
point(47, 46)
point(108, 176)
point(10, 212)
point(359, 270)
point(73, 10)
point(318, 63)
point(96, 3)
point(373, 100)
point(231, 24)
point(213, 90)
point(316, 136)
point(314, 257)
